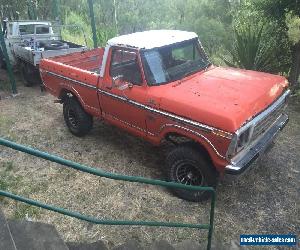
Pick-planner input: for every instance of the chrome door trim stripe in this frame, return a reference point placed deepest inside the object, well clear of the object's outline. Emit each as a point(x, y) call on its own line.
point(166, 114)
point(83, 84)
point(197, 134)
point(127, 123)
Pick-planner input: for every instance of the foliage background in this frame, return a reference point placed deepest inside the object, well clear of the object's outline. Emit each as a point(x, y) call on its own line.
point(253, 34)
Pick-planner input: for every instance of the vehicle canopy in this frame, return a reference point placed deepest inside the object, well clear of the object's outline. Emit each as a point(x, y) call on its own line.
point(25, 28)
point(147, 40)
point(152, 38)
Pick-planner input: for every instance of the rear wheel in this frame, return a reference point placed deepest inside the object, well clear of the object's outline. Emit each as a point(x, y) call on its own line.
point(189, 166)
point(2, 62)
point(77, 120)
point(30, 74)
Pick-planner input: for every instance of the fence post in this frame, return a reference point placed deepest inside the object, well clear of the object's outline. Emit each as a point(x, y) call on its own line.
point(91, 8)
point(211, 219)
point(7, 62)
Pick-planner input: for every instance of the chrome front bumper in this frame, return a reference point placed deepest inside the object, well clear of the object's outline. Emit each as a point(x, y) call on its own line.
point(243, 160)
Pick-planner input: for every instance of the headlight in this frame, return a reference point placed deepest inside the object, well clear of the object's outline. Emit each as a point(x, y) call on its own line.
point(239, 141)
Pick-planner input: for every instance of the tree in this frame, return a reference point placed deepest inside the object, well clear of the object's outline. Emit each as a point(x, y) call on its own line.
point(259, 43)
point(293, 24)
point(285, 11)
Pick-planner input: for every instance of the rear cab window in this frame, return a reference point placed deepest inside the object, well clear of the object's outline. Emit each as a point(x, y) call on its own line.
point(125, 63)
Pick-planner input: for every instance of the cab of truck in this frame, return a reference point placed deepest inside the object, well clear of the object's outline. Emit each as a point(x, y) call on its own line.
point(18, 29)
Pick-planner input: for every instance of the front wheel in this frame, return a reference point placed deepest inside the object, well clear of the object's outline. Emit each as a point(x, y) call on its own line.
point(188, 165)
point(78, 121)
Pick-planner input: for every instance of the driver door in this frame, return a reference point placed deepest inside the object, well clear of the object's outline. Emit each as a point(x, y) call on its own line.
point(124, 91)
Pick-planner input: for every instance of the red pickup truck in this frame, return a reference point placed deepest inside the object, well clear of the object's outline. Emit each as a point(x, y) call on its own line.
point(160, 85)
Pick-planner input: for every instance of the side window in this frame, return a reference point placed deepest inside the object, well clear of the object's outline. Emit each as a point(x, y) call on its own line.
point(26, 29)
point(125, 62)
point(42, 30)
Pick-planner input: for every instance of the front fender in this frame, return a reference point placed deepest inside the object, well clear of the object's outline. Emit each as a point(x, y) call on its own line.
point(215, 146)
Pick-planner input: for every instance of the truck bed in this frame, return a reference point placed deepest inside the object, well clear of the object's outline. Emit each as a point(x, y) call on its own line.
point(78, 73)
point(86, 60)
point(34, 56)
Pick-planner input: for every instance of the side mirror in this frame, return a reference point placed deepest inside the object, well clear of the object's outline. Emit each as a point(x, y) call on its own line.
point(116, 81)
point(119, 82)
point(125, 86)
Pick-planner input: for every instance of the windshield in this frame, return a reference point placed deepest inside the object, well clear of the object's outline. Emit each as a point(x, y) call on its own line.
point(173, 62)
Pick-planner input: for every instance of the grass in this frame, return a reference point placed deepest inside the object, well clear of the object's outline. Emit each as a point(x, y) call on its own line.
point(297, 92)
point(7, 180)
point(6, 125)
point(5, 85)
point(25, 211)
point(12, 183)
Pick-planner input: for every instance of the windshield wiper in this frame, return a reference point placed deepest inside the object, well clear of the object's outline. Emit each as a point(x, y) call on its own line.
point(194, 71)
point(189, 73)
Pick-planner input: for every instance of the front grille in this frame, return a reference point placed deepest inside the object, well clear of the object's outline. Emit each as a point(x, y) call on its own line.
point(265, 123)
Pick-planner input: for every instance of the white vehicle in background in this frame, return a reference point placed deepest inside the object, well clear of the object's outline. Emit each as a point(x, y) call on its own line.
point(27, 42)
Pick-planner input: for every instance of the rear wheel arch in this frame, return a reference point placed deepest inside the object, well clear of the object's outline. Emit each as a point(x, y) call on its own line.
point(67, 93)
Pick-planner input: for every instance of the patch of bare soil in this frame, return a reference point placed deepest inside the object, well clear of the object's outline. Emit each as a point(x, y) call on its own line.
point(263, 200)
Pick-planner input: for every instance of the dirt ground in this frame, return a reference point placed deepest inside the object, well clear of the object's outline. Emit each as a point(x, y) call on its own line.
point(263, 200)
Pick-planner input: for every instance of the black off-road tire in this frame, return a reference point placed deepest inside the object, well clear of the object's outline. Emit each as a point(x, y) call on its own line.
point(188, 164)
point(78, 121)
point(30, 74)
point(26, 75)
point(55, 45)
point(2, 61)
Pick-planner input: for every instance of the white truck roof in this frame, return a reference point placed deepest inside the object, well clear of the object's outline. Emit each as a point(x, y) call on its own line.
point(31, 22)
point(152, 38)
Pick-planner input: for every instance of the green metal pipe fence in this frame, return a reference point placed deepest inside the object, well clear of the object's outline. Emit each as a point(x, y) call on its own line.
point(100, 173)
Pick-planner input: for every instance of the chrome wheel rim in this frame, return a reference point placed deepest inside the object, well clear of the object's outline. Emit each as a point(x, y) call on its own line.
point(188, 174)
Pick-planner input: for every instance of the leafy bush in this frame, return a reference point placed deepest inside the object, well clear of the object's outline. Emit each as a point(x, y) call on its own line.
point(293, 24)
point(104, 34)
point(250, 51)
point(259, 44)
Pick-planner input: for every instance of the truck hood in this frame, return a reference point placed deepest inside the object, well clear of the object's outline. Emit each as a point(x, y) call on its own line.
point(224, 98)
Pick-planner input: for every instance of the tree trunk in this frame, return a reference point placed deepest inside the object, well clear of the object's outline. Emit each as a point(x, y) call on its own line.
point(295, 67)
